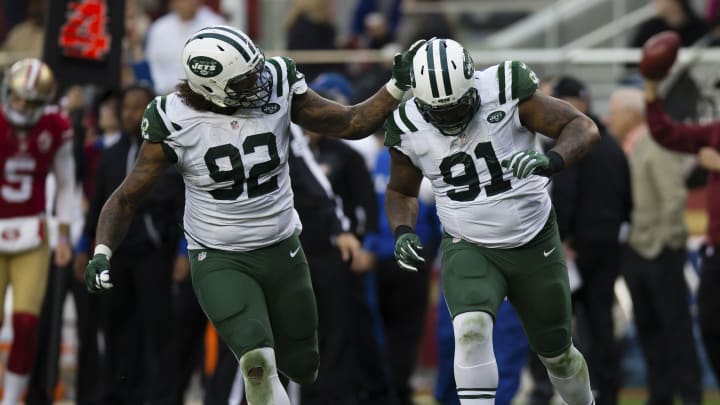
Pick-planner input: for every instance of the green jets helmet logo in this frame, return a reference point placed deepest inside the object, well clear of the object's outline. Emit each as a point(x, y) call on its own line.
point(204, 66)
point(495, 117)
point(270, 108)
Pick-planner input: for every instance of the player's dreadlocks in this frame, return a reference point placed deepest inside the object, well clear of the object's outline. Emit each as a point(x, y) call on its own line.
point(198, 102)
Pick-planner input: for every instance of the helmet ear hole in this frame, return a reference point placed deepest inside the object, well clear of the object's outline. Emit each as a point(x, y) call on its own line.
point(208, 89)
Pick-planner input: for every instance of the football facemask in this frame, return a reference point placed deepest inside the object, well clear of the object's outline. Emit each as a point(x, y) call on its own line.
point(451, 119)
point(251, 90)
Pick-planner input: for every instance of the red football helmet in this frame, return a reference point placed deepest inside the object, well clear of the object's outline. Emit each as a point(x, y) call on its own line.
point(27, 88)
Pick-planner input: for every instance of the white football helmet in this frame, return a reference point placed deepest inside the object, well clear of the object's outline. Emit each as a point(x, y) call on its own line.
point(27, 88)
point(223, 65)
point(442, 79)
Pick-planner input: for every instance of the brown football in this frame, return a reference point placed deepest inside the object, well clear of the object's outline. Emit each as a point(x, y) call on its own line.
point(658, 55)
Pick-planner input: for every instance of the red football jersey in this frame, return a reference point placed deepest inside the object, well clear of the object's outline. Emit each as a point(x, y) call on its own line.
point(26, 157)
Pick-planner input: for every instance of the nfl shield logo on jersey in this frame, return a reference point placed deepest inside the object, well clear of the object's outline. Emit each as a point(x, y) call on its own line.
point(234, 124)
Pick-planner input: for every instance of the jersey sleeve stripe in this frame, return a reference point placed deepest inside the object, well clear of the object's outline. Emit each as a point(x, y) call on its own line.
point(163, 103)
point(501, 83)
point(514, 69)
point(405, 119)
point(392, 131)
point(158, 123)
point(279, 76)
point(167, 124)
point(397, 119)
point(291, 68)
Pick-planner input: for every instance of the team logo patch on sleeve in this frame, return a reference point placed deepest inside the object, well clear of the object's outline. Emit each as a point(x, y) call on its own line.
point(204, 66)
point(271, 108)
point(44, 142)
point(495, 117)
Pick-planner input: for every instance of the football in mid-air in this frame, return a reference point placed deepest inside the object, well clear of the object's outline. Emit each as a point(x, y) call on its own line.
point(658, 55)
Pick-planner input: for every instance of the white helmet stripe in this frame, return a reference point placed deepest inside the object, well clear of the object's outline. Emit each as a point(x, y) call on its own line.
point(431, 69)
point(240, 35)
point(226, 39)
point(32, 76)
point(444, 68)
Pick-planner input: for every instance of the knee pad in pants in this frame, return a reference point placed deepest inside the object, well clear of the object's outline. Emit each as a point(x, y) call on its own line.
point(473, 338)
point(476, 374)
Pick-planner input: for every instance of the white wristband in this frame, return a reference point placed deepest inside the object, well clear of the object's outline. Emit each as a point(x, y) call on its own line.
point(103, 250)
point(394, 90)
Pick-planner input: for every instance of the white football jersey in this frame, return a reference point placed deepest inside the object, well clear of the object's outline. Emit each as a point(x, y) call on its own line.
point(237, 182)
point(477, 199)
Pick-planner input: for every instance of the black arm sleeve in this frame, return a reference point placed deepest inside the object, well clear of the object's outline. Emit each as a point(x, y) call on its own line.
point(97, 201)
point(564, 197)
point(316, 207)
point(363, 191)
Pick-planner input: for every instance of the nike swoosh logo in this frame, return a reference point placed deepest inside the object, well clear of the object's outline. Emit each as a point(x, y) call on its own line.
point(546, 254)
point(294, 252)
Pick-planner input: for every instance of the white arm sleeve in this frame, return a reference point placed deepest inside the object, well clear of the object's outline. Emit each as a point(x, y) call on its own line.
point(64, 169)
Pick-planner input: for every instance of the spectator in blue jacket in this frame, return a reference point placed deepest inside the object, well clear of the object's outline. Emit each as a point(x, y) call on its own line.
point(402, 297)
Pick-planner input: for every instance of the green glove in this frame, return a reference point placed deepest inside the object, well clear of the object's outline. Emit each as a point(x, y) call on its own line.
point(528, 162)
point(97, 274)
point(407, 252)
point(401, 70)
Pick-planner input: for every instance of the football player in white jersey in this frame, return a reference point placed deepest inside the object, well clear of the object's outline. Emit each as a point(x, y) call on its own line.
point(472, 134)
point(227, 130)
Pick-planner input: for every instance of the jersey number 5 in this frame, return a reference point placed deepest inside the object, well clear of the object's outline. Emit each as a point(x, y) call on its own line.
point(236, 173)
point(469, 178)
point(18, 185)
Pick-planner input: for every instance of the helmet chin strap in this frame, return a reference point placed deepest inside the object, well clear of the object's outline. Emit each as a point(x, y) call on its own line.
point(456, 132)
point(20, 120)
